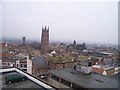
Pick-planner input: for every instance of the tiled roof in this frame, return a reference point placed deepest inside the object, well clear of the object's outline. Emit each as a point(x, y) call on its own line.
point(6, 55)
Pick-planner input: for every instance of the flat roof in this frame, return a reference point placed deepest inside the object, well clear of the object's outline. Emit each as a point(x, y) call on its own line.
point(22, 84)
point(31, 82)
point(116, 76)
point(92, 80)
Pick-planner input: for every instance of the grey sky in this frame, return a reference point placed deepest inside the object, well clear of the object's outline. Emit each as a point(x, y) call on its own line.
point(81, 21)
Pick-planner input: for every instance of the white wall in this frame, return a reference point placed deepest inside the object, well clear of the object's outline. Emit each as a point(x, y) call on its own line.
point(29, 65)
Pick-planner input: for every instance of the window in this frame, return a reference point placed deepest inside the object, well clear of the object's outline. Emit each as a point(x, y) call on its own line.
point(55, 78)
point(17, 65)
point(65, 82)
point(76, 87)
point(25, 65)
point(13, 65)
point(89, 64)
point(74, 67)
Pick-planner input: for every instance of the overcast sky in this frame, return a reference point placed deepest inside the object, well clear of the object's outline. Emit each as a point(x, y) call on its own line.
point(93, 22)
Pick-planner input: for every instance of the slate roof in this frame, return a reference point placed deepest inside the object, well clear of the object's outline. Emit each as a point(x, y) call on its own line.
point(98, 54)
point(20, 56)
point(39, 61)
point(116, 76)
point(92, 80)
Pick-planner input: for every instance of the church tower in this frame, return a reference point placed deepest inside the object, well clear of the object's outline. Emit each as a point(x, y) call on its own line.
point(23, 41)
point(44, 40)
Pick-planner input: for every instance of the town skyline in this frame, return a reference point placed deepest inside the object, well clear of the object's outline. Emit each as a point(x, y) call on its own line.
point(59, 44)
point(67, 21)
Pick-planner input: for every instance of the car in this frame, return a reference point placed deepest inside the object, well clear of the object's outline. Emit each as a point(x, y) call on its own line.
point(14, 77)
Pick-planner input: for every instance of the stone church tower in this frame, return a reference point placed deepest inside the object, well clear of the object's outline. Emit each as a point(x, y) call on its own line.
point(44, 40)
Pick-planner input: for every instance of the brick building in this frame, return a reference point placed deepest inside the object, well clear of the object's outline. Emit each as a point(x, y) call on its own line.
point(44, 40)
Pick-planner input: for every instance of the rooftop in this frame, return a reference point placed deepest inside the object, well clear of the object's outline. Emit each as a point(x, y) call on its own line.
point(98, 54)
point(83, 58)
point(58, 59)
point(116, 76)
point(21, 56)
point(39, 61)
point(31, 81)
point(88, 81)
point(106, 67)
point(22, 84)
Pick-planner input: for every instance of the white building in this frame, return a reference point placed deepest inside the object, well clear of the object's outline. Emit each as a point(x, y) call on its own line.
point(85, 67)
